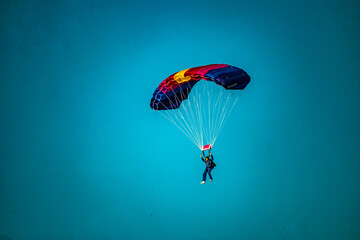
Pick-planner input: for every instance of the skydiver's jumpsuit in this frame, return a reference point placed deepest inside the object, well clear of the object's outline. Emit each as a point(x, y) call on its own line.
point(208, 167)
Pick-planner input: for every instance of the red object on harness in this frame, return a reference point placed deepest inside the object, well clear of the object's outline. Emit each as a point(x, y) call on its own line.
point(206, 147)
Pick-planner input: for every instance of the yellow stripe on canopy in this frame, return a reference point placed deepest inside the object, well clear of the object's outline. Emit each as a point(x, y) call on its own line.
point(180, 78)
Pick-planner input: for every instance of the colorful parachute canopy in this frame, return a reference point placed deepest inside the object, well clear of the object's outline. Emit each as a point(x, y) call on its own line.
point(176, 88)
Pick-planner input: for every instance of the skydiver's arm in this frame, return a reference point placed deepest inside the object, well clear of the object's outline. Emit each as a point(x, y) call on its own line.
point(212, 157)
point(202, 158)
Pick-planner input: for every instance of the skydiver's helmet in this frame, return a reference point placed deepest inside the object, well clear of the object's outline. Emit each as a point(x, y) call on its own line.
point(207, 158)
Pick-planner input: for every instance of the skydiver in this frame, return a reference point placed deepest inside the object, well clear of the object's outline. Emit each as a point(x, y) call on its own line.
point(209, 162)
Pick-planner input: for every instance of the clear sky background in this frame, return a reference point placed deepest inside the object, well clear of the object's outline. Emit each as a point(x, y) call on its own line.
point(82, 155)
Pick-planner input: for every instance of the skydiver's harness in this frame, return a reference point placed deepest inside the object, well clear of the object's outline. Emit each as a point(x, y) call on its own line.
point(212, 164)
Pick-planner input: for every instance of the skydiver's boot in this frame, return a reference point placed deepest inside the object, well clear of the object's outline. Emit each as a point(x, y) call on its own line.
point(211, 179)
point(202, 182)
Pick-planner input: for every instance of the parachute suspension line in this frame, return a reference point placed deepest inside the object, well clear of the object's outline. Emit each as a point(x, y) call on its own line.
point(218, 106)
point(199, 100)
point(229, 108)
point(193, 129)
point(187, 119)
point(170, 118)
point(201, 105)
point(209, 111)
point(193, 119)
point(227, 115)
point(204, 118)
point(199, 112)
point(184, 118)
point(214, 113)
point(203, 112)
point(174, 122)
point(200, 116)
point(197, 104)
point(196, 98)
point(177, 114)
point(186, 107)
point(218, 110)
point(219, 117)
point(223, 112)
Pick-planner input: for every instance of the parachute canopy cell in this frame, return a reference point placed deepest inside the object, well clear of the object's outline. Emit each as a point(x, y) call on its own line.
point(176, 88)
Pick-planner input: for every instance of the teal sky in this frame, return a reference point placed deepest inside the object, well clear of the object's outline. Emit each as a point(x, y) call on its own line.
point(83, 156)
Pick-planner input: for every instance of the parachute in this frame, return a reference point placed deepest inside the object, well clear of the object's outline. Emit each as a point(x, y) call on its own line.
point(201, 114)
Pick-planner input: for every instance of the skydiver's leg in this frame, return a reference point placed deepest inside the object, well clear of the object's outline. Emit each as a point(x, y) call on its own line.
point(210, 174)
point(204, 174)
